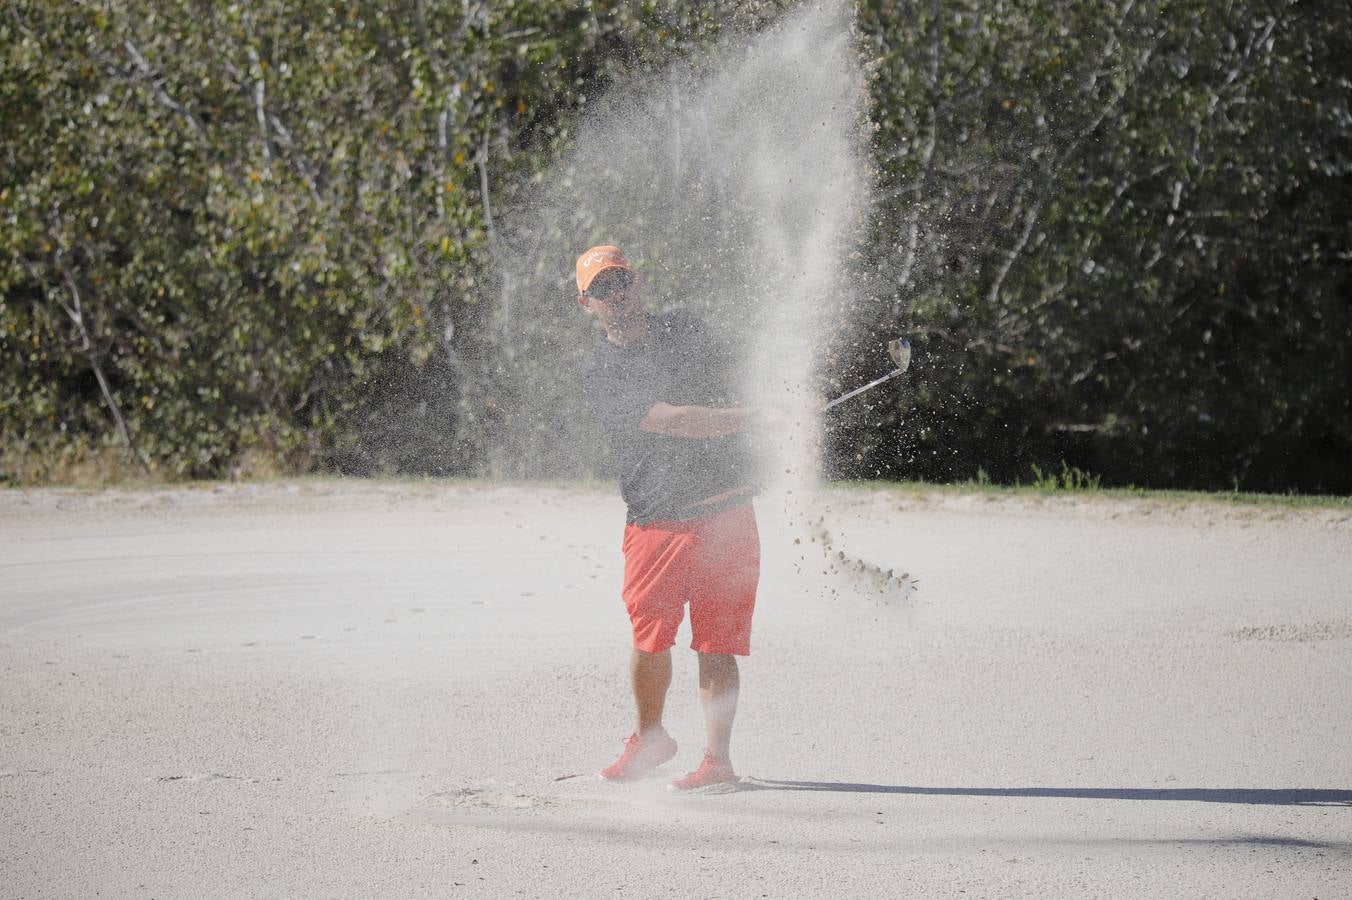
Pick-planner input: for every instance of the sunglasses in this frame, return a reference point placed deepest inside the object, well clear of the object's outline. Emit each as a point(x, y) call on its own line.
point(610, 283)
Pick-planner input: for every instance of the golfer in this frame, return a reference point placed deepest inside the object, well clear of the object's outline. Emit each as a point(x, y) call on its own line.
point(661, 387)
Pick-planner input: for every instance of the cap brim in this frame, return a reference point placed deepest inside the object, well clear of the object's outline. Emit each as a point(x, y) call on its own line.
point(606, 268)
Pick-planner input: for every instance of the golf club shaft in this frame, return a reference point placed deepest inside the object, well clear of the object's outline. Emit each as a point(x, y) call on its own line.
point(859, 390)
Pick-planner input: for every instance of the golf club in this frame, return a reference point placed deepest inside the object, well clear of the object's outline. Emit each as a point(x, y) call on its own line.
point(899, 349)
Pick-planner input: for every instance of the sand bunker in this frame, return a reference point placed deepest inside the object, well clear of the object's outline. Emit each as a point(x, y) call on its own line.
point(336, 688)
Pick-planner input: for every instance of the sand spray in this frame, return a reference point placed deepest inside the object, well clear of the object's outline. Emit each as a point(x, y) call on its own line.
point(737, 184)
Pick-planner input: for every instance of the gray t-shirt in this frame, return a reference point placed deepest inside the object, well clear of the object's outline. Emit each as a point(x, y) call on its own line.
point(681, 363)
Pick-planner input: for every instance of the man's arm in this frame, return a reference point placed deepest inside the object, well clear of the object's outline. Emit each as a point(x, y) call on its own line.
point(696, 421)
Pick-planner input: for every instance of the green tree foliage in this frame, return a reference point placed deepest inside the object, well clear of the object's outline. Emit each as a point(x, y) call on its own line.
point(1120, 232)
point(1116, 229)
point(245, 226)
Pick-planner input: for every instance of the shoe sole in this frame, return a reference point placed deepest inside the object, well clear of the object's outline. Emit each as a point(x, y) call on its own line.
point(718, 787)
point(632, 779)
point(642, 775)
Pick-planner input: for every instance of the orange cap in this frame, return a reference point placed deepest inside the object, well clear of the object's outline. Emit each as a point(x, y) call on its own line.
point(597, 260)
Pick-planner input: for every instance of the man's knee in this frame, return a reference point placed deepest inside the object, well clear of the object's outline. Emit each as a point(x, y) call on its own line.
point(715, 663)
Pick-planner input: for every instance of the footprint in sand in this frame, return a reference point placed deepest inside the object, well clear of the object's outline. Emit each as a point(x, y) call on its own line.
point(480, 798)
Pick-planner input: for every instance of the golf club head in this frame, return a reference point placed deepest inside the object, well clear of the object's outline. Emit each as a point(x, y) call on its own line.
point(900, 351)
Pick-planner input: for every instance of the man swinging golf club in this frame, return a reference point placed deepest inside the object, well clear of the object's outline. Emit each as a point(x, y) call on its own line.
point(660, 387)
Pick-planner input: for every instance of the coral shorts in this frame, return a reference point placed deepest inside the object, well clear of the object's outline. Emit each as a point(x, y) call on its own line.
point(711, 563)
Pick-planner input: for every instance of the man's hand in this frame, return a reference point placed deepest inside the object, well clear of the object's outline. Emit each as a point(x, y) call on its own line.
point(713, 421)
point(696, 421)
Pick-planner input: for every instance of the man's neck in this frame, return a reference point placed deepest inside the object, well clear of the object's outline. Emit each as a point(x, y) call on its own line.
point(633, 330)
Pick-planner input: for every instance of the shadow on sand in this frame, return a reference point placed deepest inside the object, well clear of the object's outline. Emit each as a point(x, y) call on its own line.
point(1251, 796)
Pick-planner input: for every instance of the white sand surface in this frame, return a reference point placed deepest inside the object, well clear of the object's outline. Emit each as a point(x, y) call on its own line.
point(328, 688)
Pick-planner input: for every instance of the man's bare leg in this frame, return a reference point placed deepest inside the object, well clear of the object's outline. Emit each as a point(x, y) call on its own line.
point(718, 685)
point(650, 674)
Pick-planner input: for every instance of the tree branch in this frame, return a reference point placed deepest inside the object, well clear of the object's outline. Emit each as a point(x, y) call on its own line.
point(297, 157)
point(926, 159)
point(260, 112)
point(76, 315)
point(482, 162)
point(157, 82)
point(1059, 159)
point(267, 117)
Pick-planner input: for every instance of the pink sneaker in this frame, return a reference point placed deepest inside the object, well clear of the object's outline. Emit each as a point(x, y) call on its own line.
point(712, 771)
point(641, 755)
